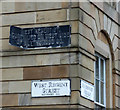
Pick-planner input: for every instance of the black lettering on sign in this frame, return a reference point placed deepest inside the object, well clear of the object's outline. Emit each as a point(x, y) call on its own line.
point(52, 36)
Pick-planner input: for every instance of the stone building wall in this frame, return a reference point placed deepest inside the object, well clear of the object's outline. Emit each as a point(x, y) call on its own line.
point(94, 27)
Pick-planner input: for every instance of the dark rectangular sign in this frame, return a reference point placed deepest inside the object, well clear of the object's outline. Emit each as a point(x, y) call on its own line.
point(53, 36)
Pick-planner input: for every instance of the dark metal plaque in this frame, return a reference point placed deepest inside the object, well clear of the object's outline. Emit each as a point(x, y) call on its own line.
point(53, 36)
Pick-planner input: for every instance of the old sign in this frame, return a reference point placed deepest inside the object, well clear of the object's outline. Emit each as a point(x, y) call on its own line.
point(53, 36)
point(87, 90)
point(45, 88)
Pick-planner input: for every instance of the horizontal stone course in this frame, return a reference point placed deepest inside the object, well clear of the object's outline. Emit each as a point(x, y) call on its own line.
point(10, 100)
point(13, 19)
point(12, 74)
point(51, 16)
point(39, 60)
point(46, 72)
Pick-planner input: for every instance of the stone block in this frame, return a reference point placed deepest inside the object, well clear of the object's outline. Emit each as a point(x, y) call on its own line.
point(10, 100)
point(86, 44)
point(102, 37)
point(95, 14)
point(75, 97)
point(117, 90)
point(19, 86)
point(86, 103)
point(117, 64)
point(22, 18)
point(117, 79)
point(7, 47)
point(74, 70)
point(51, 16)
point(25, 6)
point(114, 30)
point(86, 62)
point(105, 22)
point(75, 27)
point(48, 5)
point(75, 84)
point(117, 100)
point(109, 25)
point(74, 40)
point(46, 72)
point(65, 4)
point(48, 59)
point(36, 73)
point(8, 7)
point(115, 42)
point(18, 61)
point(86, 74)
point(12, 74)
point(86, 32)
point(25, 99)
point(101, 17)
point(61, 71)
point(73, 14)
point(117, 54)
point(5, 32)
point(5, 87)
point(68, 58)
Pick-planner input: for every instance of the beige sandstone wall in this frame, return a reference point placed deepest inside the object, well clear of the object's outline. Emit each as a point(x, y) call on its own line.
point(20, 67)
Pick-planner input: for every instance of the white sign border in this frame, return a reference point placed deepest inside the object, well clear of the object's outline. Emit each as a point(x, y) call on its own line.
point(90, 85)
point(50, 80)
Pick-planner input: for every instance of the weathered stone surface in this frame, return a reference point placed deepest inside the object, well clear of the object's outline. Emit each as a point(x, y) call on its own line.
point(86, 62)
point(60, 71)
point(13, 19)
point(19, 86)
point(46, 72)
point(105, 22)
point(12, 74)
point(69, 58)
point(117, 89)
point(25, 99)
point(101, 17)
point(51, 16)
point(10, 100)
point(89, 21)
point(86, 44)
point(103, 38)
point(86, 103)
point(109, 25)
point(73, 14)
point(75, 84)
point(86, 74)
point(117, 64)
point(48, 59)
point(74, 40)
point(18, 61)
point(5, 32)
point(73, 69)
point(117, 100)
point(6, 46)
point(114, 30)
point(5, 87)
point(48, 5)
point(117, 54)
point(24, 6)
point(8, 7)
point(75, 97)
point(117, 79)
point(115, 42)
point(87, 32)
